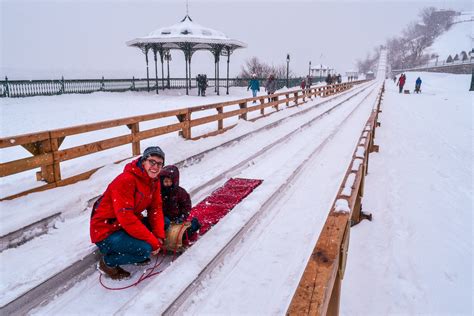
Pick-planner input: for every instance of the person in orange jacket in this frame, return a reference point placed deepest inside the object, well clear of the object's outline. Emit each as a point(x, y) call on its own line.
point(117, 225)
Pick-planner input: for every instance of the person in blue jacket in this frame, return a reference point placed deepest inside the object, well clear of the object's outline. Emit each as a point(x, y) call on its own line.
point(418, 85)
point(254, 84)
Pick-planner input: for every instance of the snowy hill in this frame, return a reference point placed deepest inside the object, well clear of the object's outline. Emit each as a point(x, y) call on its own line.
point(455, 40)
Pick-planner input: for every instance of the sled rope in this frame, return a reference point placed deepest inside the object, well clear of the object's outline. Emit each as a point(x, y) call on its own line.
point(148, 273)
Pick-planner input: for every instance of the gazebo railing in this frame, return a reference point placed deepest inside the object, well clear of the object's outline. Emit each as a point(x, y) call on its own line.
point(29, 88)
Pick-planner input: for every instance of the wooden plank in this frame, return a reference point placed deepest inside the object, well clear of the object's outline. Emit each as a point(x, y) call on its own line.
point(23, 139)
point(86, 149)
point(160, 130)
point(20, 165)
point(314, 291)
point(79, 129)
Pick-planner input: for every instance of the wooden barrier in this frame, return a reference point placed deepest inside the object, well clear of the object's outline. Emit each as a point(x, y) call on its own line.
point(47, 155)
point(318, 292)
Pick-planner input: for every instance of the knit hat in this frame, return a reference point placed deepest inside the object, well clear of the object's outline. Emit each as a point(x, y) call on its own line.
point(153, 151)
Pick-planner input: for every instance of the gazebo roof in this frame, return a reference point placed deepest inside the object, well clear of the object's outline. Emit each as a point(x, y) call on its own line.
point(186, 31)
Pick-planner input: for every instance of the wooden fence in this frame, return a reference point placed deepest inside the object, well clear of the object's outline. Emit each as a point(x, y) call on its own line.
point(318, 292)
point(47, 155)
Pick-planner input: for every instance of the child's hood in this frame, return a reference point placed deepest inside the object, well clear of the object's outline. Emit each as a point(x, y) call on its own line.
point(171, 172)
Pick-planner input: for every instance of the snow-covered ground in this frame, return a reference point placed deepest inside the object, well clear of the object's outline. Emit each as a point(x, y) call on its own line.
point(414, 258)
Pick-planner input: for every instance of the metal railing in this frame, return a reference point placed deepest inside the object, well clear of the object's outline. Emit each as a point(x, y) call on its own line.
point(27, 88)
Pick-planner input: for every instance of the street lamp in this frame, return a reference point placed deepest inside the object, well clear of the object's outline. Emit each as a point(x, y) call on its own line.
point(287, 69)
point(309, 72)
point(168, 59)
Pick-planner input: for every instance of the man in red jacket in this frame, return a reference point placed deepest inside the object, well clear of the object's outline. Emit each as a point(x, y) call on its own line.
point(116, 225)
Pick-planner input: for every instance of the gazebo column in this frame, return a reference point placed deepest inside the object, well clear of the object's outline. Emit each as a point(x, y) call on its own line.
point(228, 61)
point(156, 69)
point(190, 86)
point(186, 81)
point(145, 51)
point(162, 69)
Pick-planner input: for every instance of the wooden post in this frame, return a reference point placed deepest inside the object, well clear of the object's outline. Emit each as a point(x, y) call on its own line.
point(296, 98)
point(50, 173)
point(220, 122)
point(55, 143)
point(135, 129)
point(262, 110)
point(276, 105)
point(287, 99)
point(243, 105)
point(186, 131)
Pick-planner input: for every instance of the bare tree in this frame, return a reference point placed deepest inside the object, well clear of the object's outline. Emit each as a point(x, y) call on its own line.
point(408, 50)
point(254, 66)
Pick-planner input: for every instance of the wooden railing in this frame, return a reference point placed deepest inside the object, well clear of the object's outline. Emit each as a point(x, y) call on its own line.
point(318, 292)
point(47, 155)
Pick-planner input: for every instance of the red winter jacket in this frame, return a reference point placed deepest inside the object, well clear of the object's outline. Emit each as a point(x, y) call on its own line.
point(121, 205)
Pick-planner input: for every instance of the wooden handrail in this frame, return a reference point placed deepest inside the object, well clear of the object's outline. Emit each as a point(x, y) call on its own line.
point(318, 292)
point(47, 155)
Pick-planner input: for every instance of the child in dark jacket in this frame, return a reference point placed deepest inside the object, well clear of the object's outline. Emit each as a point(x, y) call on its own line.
point(176, 200)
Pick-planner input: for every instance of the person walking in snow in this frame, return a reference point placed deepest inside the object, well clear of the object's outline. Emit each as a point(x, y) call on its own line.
point(254, 85)
point(401, 83)
point(303, 84)
point(176, 200)
point(418, 85)
point(116, 225)
point(270, 85)
point(328, 79)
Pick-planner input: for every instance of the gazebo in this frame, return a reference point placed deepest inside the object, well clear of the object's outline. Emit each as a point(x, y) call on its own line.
point(188, 37)
point(321, 70)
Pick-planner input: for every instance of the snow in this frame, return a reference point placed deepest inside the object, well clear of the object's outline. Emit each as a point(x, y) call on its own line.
point(455, 40)
point(416, 255)
point(342, 206)
point(356, 164)
point(414, 258)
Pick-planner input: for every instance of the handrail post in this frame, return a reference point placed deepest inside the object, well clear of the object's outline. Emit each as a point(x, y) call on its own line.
point(186, 130)
point(243, 105)
point(135, 129)
point(220, 122)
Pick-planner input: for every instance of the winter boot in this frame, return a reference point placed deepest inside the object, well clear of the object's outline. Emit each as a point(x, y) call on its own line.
point(115, 273)
point(143, 263)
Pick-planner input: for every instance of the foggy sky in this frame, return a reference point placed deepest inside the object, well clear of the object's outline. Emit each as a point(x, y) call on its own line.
point(86, 39)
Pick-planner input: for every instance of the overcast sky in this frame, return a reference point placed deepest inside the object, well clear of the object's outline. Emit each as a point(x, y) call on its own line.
point(86, 39)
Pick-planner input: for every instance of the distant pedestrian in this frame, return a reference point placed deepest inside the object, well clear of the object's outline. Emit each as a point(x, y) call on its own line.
point(418, 85)
point(401, 82)
point(254, 85)
point(271, 85)
point(202, 84)
point(309, 83)
point(328, 79)
point(303, 84)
